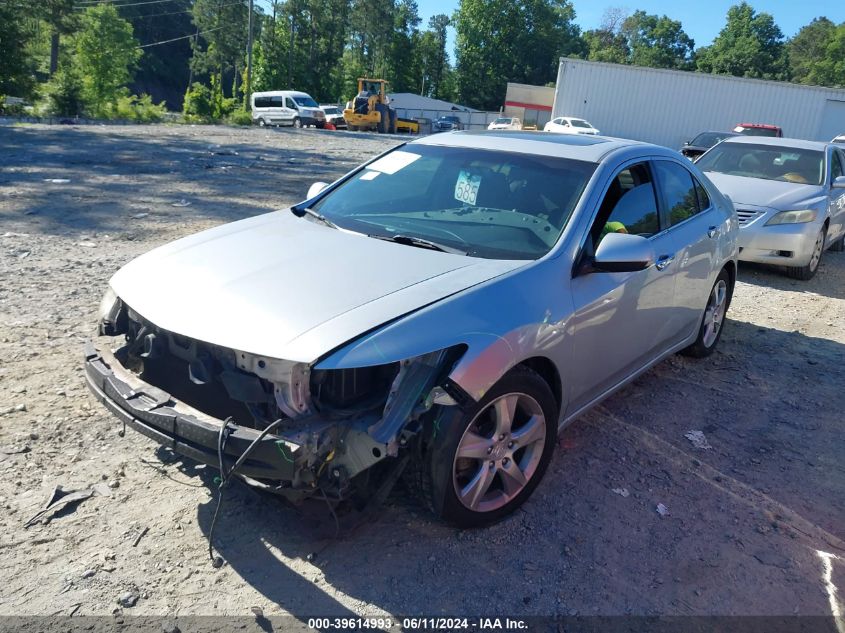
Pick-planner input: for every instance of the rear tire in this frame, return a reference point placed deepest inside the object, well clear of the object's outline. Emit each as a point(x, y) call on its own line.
point(805, 273)
point(262, 123)
point(713, 320)
point(475, 467)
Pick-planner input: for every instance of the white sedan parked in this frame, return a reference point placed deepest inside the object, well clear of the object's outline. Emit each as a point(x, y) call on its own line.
point(570, 125)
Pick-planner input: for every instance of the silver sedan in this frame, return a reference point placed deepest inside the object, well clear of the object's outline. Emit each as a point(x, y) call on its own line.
point(441, 312)
point(789, 196)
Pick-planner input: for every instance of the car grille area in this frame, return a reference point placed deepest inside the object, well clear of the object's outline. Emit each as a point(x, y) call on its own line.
point(747, 216)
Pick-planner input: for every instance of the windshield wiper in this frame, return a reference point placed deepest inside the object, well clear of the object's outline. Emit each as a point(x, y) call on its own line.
point(419, 242)
point(302, 211)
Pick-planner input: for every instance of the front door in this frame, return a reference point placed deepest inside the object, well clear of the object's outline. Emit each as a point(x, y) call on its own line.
point(622, 321)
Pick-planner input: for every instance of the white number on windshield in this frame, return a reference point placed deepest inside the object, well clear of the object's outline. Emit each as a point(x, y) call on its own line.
point(466, 189)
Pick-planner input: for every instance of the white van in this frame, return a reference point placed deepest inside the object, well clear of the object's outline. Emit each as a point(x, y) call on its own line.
point(286, 107)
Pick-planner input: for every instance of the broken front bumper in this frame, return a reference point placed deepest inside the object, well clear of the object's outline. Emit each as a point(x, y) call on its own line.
point(156, 414)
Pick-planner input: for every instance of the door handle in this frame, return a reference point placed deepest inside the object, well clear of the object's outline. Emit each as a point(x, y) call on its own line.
point(663, 261)
point(713, 231)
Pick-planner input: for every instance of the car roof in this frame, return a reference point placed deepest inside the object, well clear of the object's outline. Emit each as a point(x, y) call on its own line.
point(762, 126)
point(577, 147)
point(794, 143)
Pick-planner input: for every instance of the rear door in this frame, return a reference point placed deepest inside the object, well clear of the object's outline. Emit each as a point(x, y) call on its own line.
point(622, 321)
point(694, 225)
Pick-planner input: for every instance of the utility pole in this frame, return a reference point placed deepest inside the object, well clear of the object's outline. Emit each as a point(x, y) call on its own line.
point(248, 91)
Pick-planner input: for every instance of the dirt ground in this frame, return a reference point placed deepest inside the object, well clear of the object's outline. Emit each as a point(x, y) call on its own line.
point(755, 524)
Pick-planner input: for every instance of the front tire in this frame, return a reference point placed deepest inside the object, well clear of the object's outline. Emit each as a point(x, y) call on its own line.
point(480, 465)
point(297, 123)
point(805, 273)
point(712, 323)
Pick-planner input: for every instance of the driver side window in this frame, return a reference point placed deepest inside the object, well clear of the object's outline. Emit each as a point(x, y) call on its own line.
point(629, 206)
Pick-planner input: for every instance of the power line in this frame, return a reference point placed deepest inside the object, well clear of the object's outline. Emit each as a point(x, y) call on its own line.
point(90, 3)
point(184, 37)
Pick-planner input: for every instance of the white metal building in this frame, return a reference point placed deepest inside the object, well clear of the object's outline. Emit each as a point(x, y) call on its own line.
point(668, 107)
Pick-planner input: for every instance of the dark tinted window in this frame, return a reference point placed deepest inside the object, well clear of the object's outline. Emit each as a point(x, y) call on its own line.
point(703, 198)
point(836, 165)
point(629, 206)
point(709, 139)
point(262, 102)
point(678, 189)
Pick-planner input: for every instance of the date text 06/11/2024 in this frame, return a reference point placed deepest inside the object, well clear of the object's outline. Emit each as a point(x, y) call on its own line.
point(418, 624)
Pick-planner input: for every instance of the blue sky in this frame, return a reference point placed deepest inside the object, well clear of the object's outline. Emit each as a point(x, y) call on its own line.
point(702, 20)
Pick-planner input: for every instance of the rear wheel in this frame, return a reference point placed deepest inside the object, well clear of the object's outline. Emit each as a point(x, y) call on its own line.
point(807, 272)
point(262, 123)
point(713, 320)
point(484, 463)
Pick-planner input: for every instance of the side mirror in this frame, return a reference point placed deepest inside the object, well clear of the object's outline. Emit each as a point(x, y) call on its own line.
point(623, 253)
point(687, 143)
point(316, 189)
point(839, 182)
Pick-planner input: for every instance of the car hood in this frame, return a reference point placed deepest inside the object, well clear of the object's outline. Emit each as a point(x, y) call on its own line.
point(286, 287)
point(773, 194)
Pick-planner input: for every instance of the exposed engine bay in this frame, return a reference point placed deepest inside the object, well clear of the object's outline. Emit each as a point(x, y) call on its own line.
point(333, 430)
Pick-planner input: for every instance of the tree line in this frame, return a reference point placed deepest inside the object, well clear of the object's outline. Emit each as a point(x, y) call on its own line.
point(96, 55)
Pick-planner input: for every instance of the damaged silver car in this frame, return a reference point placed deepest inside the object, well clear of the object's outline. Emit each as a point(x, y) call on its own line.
point(441, 312)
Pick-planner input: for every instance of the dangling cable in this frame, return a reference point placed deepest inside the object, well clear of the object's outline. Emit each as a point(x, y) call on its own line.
point(225, 431)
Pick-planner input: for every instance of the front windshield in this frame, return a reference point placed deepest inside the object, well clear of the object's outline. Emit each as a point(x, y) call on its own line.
point(491, 204)
point(502, 121)
point(306, 102)
point(708, 139)
point(789, 164)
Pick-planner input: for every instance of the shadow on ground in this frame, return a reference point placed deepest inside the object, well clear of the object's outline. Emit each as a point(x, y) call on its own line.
point(744, 521)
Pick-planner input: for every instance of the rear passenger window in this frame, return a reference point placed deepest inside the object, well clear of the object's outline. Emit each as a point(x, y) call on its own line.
point(629, 206)
point(679, 191)
point(703, 198)
point(836, 166)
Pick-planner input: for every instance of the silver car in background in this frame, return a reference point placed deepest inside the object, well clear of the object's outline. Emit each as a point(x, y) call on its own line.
point(789, 196)
point(441, 312)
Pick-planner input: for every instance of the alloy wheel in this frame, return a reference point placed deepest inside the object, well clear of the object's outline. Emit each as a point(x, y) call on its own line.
point(499, 452)
point(817, 251)
point(714, 315)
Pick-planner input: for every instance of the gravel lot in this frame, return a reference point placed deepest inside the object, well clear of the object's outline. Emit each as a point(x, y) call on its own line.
point(751, 520)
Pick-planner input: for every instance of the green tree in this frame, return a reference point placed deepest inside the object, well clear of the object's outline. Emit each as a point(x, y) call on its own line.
point(106, 55)
point(750, 45)
point(16, 68)
point(607, 43)
point(64, 92)
point(218, 50)
point(503, 40)
point(657, 41)
point(62, 20)
point(815, 55)
point(432, 59)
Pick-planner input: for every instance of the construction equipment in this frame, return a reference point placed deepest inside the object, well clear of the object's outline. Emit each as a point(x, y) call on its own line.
point(369, 110)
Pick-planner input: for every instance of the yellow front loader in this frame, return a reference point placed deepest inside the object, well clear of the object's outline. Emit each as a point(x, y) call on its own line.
point(369, 110)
